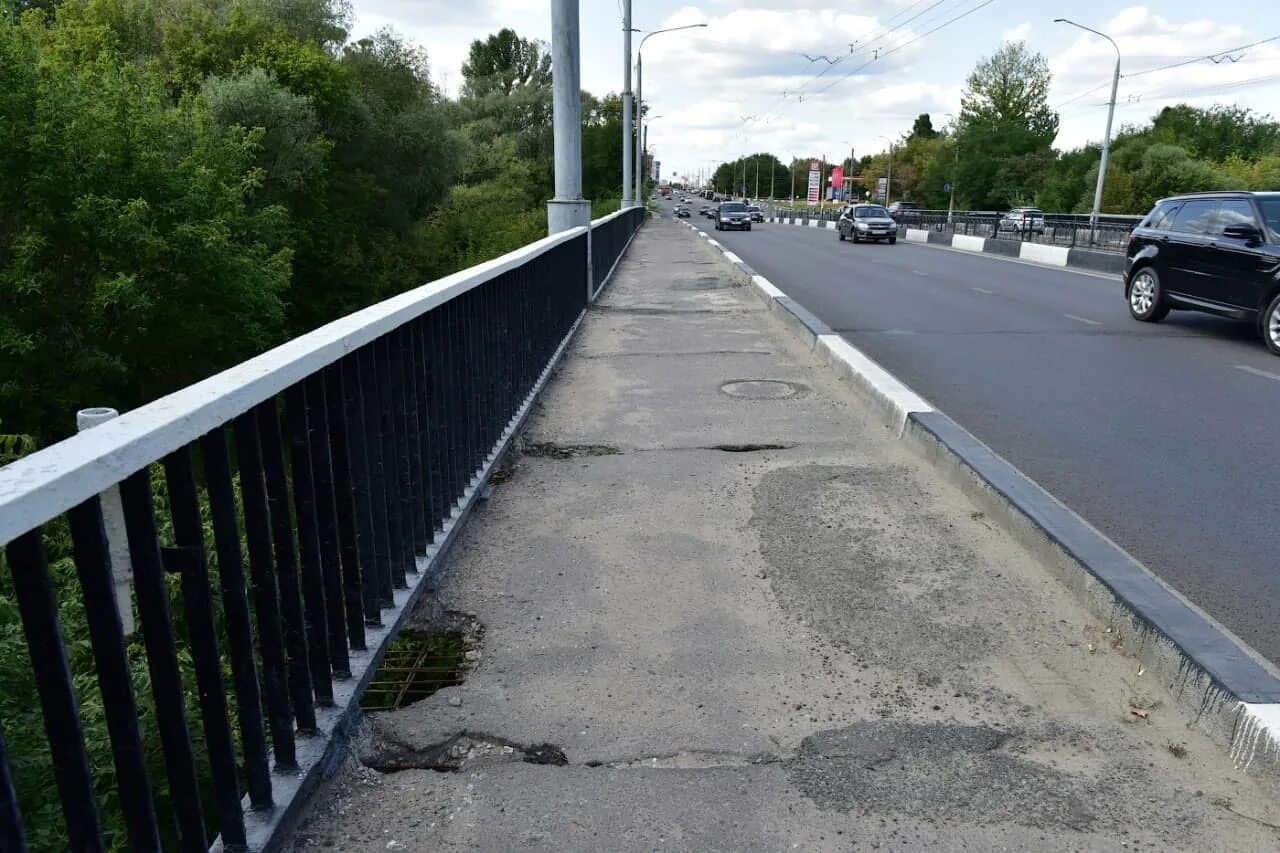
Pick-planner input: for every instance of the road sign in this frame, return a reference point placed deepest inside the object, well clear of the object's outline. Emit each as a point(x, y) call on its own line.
point(946, 188)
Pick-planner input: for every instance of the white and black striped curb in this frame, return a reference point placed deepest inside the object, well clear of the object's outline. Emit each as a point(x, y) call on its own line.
point(1219, 682)
point(1036, 253)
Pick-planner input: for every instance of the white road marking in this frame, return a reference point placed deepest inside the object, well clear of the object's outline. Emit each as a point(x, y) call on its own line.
point(1265, 374)
point(917, 272)
point(983, 290)
point(1085, 320)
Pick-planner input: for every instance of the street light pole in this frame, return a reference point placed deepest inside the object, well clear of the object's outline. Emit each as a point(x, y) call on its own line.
point(627, 130)
point(1106, 137)
point(640, 103)
point(888, 181)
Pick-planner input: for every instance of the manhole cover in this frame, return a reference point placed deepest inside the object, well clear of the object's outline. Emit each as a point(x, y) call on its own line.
point(762, 389)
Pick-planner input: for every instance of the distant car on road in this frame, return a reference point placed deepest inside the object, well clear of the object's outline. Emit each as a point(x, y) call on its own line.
point(757, 215)
point(1027, 220)
point(905, 212)
point(705, 210)
point(681, 211)
point(1214, 252)
point(867, 222)
point(733, 215)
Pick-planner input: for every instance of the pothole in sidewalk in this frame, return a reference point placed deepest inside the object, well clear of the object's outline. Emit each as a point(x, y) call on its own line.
point(763, 389)
point(552, 450)
point(750, 448)
point(417, 665)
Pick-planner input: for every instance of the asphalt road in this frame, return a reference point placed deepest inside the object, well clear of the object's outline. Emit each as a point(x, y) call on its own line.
point(1162, 436)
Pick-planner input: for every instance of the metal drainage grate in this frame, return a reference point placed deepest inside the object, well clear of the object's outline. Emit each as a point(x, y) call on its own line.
point(416, 666)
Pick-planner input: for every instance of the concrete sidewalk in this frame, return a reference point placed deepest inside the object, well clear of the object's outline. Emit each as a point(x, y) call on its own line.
point(722, 608)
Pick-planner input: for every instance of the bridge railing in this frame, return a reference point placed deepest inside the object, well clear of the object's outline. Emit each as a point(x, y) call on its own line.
point(609, 238)
point(331, 471)
point(1060, 229)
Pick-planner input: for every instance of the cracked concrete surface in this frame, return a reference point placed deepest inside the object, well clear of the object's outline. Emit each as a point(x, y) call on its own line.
point(813, 646)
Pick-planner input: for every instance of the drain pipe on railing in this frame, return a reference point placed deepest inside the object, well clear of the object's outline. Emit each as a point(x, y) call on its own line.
point(113, 524)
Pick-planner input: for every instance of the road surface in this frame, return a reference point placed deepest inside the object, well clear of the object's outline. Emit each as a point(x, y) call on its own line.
point(1162, 436)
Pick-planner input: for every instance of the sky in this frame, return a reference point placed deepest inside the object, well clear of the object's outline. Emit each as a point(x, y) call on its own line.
point(823, 77)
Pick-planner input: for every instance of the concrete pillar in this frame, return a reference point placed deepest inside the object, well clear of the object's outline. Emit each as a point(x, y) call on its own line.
point(113, 522)
point(627, 128)
point(568, 209)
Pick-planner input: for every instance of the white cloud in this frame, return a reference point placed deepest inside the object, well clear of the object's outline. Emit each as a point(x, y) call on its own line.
point(1147, 43)
point(1018, 33)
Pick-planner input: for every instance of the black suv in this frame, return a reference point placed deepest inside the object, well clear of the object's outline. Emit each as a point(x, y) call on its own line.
point(1217, 252)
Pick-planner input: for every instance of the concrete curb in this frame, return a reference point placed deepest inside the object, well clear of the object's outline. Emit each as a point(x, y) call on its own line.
point(1092, 260)
point(1223, 686)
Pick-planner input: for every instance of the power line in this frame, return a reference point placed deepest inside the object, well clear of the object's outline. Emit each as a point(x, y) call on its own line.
point(905, 44)
point(1213, 57)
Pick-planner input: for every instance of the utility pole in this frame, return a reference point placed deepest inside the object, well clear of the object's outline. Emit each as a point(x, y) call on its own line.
point(627, 198)
point(568, 209)
point(757, 176)
point(1106, 138)
point(792, 169)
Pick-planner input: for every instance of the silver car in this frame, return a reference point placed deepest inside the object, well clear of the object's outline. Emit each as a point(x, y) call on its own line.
point(867, 222)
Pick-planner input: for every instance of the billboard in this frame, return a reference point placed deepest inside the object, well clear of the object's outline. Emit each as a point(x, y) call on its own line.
point(815, 182)
point(837, 182)
point(882, 188)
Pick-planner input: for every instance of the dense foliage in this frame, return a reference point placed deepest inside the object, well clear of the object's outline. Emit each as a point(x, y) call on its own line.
point(998, 152)
point(186, 183)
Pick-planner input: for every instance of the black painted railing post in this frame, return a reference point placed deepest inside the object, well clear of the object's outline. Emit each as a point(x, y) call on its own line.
point(345, 506)
point(418, 450)
point(402, 400)
point(257, 528)
point(286, 560)
point(120, 707)
point(327, 524)
point(358, 443)
point(235, 609)
point(33, 587)
point(12, 838)
point(162, 659)
point(372, 379)
point(387, 396)
point(305, 504)
point(188, 558)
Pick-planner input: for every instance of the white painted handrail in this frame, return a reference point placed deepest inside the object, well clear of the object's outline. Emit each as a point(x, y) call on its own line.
point(47, 483)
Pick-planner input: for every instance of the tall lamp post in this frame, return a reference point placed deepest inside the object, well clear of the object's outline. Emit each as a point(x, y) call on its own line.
point(888, 181)
point(1106, 137)
point(640, 101)
point(644, 149)
point(955, 166)
point(628, 131)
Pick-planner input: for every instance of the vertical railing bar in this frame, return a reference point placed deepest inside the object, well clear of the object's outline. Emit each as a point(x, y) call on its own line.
point(235, 608)
point(414, 409)
point(371, 391)
point(305, 505)
point(327, 518)
point(286, 554)
point(436, 382)
point(197, 600)
point(358, 443)
point(344, 505)
point(162, 659)
point(12, 838)
point(387, 394)
point(422, 434)
point(33, 587)
point(275, 679)
point(401, 398)
point(92, 557)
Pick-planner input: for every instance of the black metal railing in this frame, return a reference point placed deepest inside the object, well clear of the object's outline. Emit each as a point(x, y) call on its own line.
point(1073, 230)
point(324, 472)
point(609, 238)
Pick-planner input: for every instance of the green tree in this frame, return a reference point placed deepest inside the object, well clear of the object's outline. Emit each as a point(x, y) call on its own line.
point(1005, 128)
point(923, 127)
point(503, 63)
